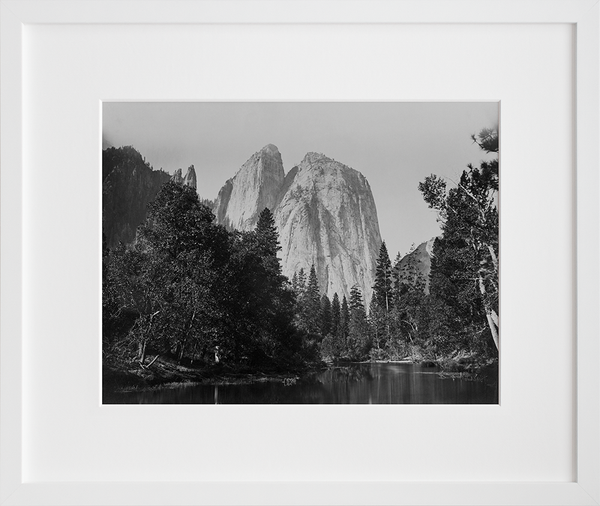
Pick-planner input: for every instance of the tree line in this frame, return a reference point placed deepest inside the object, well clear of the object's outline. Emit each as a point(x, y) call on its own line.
point(192, 290)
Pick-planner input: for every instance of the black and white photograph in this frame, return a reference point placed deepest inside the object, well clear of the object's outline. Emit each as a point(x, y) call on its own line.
point(300, 253)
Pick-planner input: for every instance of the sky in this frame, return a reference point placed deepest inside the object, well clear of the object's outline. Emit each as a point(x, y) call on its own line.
point(394, 144)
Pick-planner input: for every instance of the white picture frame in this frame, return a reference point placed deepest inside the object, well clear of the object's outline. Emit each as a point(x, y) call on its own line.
point(16, 16)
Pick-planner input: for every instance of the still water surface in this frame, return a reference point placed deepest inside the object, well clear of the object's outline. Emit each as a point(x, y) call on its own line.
point(350, 384)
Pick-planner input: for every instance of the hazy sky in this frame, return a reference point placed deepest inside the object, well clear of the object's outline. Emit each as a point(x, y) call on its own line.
point(394, 144)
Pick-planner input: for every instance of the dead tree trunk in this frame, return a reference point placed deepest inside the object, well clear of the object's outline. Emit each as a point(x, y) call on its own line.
point(142, 350)
point(490, 314)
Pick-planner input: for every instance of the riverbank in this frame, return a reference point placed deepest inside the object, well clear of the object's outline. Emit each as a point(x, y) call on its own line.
point(356, 383)
point(461, 366)
point(165, 373)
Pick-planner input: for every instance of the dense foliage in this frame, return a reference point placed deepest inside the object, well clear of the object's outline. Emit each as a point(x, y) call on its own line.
point(189, 289)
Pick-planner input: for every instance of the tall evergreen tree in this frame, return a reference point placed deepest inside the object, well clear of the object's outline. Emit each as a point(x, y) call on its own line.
point(325, 315)
point(301, 279)
point(396, 275)
point(335, 315)
point(377, 323)
point(383, 279)
point(313, 284)
point(344, 321)
point(358, 330)
point(313, 307)
point(383, 289)
point(268, 240)
point(310, 305)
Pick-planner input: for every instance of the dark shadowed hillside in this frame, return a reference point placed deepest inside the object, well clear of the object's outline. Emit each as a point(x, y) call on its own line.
point(128, 185)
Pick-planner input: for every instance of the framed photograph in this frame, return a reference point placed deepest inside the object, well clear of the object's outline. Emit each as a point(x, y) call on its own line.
point(79, 81)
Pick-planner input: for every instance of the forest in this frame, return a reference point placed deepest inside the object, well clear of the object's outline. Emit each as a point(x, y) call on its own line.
point(188, 291)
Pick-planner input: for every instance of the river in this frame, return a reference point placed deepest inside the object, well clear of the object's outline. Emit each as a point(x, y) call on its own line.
point(365, 383)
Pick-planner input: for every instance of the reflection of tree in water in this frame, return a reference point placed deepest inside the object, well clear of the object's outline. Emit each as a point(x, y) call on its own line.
point(352, 373)
point(354, 384)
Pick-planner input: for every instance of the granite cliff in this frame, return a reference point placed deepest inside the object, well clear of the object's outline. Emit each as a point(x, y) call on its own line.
point(255, 186)
point(324, 212)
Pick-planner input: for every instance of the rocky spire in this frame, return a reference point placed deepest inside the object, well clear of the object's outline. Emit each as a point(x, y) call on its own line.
point(177, 177)
point(254, 187)
point(190, 178)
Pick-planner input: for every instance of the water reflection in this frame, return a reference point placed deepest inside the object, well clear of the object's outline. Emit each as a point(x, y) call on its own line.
point(350, 384)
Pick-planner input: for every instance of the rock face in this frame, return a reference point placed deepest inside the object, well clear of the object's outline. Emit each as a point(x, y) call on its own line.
point(324, 212)
point(177, 176)
point(416, 263)
point(254, 187)
point(190, 178)
point(128, 185)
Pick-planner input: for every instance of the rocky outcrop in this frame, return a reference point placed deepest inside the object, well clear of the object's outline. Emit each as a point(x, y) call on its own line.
point(177, 176)
point(324, 212)
point(255, 186)
point(128, 185)
point(416, 265)
point(190, 178)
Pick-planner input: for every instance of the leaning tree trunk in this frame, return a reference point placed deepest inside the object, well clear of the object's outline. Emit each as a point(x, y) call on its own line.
point(142, 352)
point(490, 314)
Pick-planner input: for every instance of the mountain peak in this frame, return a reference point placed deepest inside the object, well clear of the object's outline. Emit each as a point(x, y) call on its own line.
point(254, 187)
point(178, 176)
point(313, 156)
point(190, 177)
point(271, 149)
point(324, 212)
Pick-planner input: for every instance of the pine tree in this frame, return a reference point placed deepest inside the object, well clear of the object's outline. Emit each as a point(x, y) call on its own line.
point(301, 279)
point(313, 285)
point(325, 315)
point(344, 321)
point(396, 275)
point(383, 279)
point(376, 323)
point(335, 315)
point(313, 306)
point(358, 331)
point(310, 305)
point(268, 240)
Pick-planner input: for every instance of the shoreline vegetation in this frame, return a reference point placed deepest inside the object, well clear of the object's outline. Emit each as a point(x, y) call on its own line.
point(192, 302)
point(166, 373)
